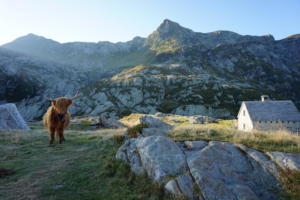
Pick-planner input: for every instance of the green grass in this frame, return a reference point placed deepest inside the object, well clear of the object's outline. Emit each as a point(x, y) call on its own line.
point(82, 168)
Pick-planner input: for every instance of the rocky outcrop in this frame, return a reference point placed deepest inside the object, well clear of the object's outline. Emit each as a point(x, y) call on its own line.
point(158, 156)
point(208, 170)
point(10, 118)
point(286, 161)
point(105, 122)
point(154, 122)
point(222, 171)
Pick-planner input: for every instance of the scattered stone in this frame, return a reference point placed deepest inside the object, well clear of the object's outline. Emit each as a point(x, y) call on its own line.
point(10, 118)
point(202, 119)
point(159, 114)
point(105, 122)
point(286, 161)
point(154, 122)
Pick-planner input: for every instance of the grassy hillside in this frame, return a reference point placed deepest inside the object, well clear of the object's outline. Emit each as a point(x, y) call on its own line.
point(82, 168)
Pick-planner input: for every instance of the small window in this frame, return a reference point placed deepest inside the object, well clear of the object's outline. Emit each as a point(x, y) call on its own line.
point(244, 113)
point(244, 126)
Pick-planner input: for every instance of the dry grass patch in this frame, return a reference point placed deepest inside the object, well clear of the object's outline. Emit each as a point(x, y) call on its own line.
point(265, 141)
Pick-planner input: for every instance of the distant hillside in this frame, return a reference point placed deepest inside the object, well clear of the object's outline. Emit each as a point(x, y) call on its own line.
point(27, 80)
point(174, 70)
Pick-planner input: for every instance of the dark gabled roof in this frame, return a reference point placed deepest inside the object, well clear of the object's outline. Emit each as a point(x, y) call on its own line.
point(272, 111)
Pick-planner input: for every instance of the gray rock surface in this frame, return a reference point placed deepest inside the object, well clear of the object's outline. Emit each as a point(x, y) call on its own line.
point(195, 145)
point(146, 132)
point(10, 118)
point(159, 156)
point(129, 154)
point(154, 122)
point(183, 186)
point(286, 161)
point(105, 122)
point(222, 171)
point(202, 119)
point(208, 170)
point(262, 159)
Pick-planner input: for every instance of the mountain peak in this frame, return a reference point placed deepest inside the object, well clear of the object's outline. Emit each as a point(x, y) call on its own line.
point(169, 29)
point(168, 26)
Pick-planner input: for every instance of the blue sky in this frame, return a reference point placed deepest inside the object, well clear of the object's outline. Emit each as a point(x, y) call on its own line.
point(121, 20)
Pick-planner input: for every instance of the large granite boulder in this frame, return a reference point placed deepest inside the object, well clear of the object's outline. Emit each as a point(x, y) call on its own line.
point(222, 171)
point(10, 118)
point(159, 156)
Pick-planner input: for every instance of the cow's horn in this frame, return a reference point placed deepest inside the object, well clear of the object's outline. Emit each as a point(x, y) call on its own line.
point(76, 95)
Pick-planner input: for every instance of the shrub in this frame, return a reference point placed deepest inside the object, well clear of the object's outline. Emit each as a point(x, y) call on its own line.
point(135, 130)
point(119, 138)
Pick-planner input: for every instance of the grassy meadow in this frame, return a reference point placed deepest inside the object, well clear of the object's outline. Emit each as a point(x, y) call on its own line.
point(84, 167)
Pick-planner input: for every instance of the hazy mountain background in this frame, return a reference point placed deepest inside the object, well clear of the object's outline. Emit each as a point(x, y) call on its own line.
point(173, 70)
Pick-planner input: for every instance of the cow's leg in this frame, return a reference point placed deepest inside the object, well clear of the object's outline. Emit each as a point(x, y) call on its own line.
point(60, 132)
point(52, 134)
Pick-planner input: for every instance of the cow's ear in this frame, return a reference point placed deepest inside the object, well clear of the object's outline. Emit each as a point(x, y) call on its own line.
point(53, 102)
point(70, 101)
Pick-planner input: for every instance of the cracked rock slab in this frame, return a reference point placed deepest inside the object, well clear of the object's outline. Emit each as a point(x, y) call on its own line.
point(157, 156)
point(222, 171)
point(161, 157)
point(182, 186)
point(262, 159)
point(286, 161)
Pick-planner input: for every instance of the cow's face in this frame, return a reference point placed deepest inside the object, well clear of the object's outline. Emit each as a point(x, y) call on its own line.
point(61, 105)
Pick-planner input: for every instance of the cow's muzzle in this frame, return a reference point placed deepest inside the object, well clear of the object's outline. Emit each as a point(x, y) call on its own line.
point(61, 117)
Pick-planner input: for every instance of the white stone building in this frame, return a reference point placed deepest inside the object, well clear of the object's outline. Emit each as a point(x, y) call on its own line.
point(268, 115)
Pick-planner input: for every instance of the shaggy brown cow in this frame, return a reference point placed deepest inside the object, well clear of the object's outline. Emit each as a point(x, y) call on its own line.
point(57, 117)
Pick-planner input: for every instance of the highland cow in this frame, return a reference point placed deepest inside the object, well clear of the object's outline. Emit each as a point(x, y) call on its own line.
point(57, 117)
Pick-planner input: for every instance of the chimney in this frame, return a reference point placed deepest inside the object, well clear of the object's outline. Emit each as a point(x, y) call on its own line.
point(265, 98)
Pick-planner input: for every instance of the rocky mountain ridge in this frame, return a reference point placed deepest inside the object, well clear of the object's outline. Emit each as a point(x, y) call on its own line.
point(174, 70)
